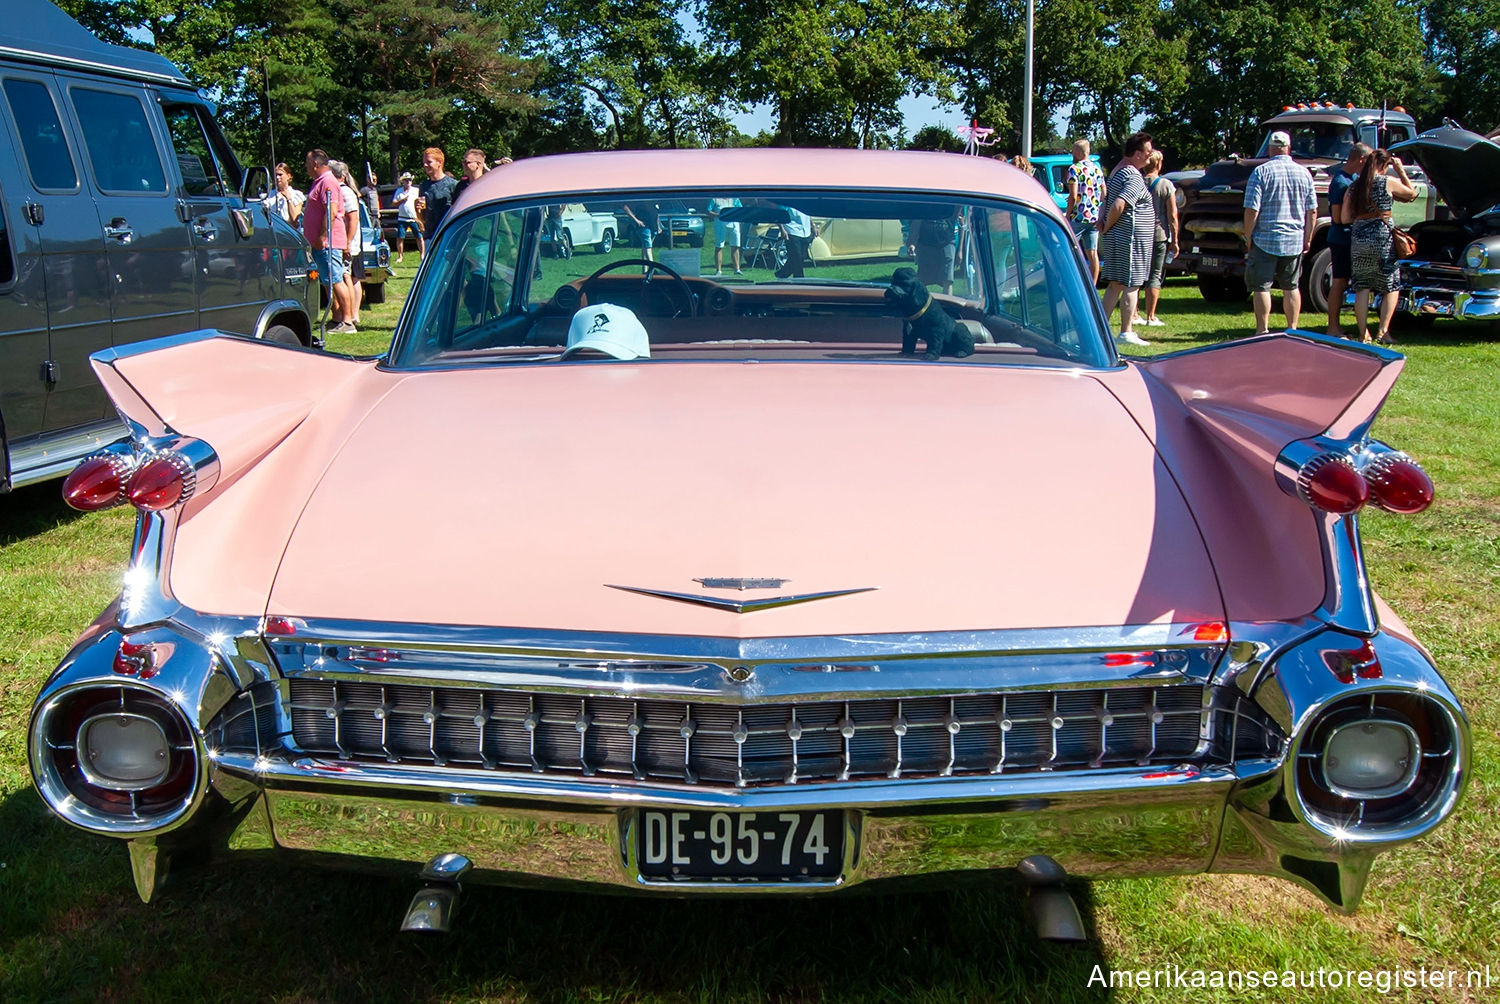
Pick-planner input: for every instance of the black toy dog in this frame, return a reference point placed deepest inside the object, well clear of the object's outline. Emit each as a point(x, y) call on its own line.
point(925, 319)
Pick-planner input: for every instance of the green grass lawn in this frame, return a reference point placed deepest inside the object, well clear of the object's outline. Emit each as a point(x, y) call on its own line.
point(72, 928)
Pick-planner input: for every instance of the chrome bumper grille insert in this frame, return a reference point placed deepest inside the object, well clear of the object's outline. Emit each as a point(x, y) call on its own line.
point(698, 742)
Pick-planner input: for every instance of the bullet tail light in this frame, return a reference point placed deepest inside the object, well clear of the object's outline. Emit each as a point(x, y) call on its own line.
point(153, 479)
point(1342, 483)
point(1398, 483)
point(1331, 482)
point(98, 482)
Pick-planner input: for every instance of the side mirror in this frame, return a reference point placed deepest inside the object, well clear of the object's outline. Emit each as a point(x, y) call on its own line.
point(256, 186)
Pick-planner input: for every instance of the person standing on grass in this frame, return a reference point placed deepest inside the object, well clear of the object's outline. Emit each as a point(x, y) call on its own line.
point(1127, 235)
point(1372, 252)
point(1164, 198)
point(1281, 210)
point(323, 226)
point(287, 202)
point(725, 233)
point(406, 217)
point(435, 194)
point(354, 247)
point(1085, 184)
point(1339, 181)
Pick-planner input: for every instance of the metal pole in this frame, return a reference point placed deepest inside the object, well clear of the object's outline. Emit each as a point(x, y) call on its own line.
point(265, 69)
point(1026, 83)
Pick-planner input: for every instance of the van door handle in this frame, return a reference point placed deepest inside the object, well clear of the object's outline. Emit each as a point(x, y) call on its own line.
point(205, 229)
point(119, 229)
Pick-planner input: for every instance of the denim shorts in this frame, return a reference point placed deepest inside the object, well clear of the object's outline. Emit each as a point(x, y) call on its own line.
point(402, 226)
point(648, 238)
point(330, 265)
point(1087, 233)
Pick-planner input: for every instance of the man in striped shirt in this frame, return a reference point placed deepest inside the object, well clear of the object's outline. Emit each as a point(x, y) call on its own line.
point(1281, 209)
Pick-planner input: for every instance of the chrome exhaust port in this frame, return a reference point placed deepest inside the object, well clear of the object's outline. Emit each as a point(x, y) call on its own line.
point(1053, 911)
point(434, 905)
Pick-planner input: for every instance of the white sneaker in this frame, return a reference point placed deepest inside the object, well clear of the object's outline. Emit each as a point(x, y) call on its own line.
point(1130, 338)
point(718, 271)
point(1155, 322)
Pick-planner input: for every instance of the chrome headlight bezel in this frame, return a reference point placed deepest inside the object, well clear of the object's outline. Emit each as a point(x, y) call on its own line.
point(1476, 256)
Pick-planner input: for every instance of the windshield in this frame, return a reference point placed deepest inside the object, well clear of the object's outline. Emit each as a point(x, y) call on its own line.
point(762, 274)
point(1314, 140)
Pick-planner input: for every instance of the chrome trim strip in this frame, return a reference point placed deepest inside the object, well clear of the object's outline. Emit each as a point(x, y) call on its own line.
point(54, 455)
point(595, 645)
point(956, 794)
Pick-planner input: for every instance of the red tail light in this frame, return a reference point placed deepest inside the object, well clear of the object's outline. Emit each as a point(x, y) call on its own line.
point(161, 482)
point(97, 483)
point(1398, 483)
point(1331, 483)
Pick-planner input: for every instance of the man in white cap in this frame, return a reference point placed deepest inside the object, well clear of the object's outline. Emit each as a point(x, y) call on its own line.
point(606, 331)
point(1281, 209)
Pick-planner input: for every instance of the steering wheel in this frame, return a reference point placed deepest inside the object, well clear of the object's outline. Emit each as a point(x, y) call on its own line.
point(681, 287)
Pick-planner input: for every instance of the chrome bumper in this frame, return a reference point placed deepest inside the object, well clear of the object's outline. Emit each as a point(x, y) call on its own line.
point(520, 831)
point(260, 794)
point(1441, 302)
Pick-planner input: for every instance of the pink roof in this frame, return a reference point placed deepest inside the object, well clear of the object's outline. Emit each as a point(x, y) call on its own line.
point(788, 167)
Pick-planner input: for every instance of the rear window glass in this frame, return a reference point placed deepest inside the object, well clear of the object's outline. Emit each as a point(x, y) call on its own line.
point(803, 275)
point(48, 158)
point(121, 148)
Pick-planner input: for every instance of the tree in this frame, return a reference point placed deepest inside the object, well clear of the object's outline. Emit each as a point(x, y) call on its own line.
point(634, 60)
point(832, 70)
point(1244, 61)
point(1463, 45)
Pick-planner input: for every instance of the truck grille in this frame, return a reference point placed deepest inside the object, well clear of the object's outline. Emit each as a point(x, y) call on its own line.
point(771, 744)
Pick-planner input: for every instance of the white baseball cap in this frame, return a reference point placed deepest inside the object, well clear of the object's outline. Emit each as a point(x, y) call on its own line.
point(1280, 138)
point(610, 329)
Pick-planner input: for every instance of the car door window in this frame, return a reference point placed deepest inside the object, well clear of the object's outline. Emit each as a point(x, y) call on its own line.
point(117, 134)
point(195, 161)
point(49, 161)
point(1029, 256)
point(477, 263)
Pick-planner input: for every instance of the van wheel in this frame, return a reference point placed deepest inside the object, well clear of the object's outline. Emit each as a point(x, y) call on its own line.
point(282, 335)
point(607, 242)
point(374, 292)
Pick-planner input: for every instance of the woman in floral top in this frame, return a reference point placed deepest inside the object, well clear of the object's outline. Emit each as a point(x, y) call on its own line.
point(1085, 184)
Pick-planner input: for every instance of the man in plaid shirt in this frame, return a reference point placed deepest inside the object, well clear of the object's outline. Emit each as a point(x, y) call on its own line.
point(1281, 209)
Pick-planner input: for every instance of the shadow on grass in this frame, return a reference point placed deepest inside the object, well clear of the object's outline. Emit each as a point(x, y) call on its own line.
point(75, 930)
point(34, 509)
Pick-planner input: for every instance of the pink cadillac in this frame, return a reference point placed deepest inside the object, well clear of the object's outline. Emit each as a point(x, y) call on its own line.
point(642, 577)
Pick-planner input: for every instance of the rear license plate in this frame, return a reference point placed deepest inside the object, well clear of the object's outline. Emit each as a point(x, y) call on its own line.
point(1209, 261)
point(744, 845)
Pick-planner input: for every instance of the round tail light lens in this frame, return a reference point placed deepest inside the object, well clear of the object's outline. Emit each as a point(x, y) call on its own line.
point(97, 483)
point(1331, 483)
point(160, 483)
point(1398, 484)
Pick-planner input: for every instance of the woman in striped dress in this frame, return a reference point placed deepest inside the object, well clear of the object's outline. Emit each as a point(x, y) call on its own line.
point(1372, 259)
point(1127, 235)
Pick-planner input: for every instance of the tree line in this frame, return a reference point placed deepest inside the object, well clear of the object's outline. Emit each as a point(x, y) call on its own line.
point(378, 80)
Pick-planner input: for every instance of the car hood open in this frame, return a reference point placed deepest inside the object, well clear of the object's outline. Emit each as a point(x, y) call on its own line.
point(954, 495)
point(1463, 165)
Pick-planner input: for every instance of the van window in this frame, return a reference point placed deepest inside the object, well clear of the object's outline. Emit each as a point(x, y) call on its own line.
point(200, 174)
point(121, 149)
point(47, 155)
